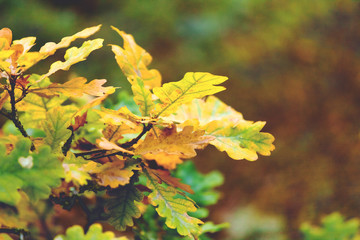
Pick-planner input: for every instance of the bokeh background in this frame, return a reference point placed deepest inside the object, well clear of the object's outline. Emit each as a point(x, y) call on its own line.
point(293, 64)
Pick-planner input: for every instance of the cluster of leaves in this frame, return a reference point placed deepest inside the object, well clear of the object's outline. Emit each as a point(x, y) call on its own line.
point(73, 152)
point(333, 227)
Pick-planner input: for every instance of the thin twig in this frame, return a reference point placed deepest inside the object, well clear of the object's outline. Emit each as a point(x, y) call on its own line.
point(124, 145)
point(17, 231)
point(23, 94)
point(120, 153)
point(14, 114)
point(135, 140)
point(66, 147)
point(5, 114)
point(89, 153)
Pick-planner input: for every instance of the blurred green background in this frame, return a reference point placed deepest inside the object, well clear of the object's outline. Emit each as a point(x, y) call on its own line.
point(294, 64)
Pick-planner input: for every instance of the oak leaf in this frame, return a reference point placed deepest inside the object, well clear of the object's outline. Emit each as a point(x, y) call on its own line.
point(142, 97)
point(77, 169)
point(76, 87)
point(113, 174)
point(74, 55)
point(79, 122)
point(122, 206)
point(165, 176)
point(239, 138)
point(95, 232)
point(33, 172)
point(133, 61)
point(242, 141)
point(193, 85)
point(56, 128)
point(174, 209)
point(169, 142)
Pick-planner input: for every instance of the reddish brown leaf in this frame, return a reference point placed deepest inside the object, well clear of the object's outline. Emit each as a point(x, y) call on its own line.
point(79, 121)
point(165, 176)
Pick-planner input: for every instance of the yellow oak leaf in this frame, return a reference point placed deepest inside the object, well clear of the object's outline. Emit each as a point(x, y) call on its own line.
point(180, 144)
point(76, 87)
point(239, 138)
point(113, 174)
point(133, 61)
point(165, 176)
point(193, 85)
point(242, 141)
point(95, 102)
point(36, 106)
point(125, 116)
point(28, 59)
point(74, 55)
point(166, 160)
point(77, 169)
point(205, 112)
point(113, 133)
point(107, 145)
point(51, 47)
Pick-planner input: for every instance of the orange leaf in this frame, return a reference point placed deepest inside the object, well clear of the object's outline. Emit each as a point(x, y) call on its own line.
point(107, 145)
point(76, 87)
point(79, 121)
point(113, 174)
point(7, 34)
point(165, 176)
point(168, 142)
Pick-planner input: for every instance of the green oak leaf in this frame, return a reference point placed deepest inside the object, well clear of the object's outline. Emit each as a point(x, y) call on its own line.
point(142, 96)
point(242, 141)
point(95, 232)
point(56, 128)
point(174, 208)
point(121, 207)
point(33, 172)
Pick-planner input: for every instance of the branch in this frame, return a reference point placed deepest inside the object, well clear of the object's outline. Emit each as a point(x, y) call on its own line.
point(23, 94)
point(5, 114)
point(66, 147)
point(124, 145)
point(120, 153)
point(89, 153)
point(135, 140)
point(14, 115)
point(21, 232)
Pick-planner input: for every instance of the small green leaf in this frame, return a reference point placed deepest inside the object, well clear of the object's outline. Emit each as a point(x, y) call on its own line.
point(33, 172)
point(95, 232)
point(56, 128)
point(333, 227)
point(202, 184)
point(142, 96)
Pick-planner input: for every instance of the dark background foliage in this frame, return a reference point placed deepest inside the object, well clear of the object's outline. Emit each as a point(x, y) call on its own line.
point(294, 64)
